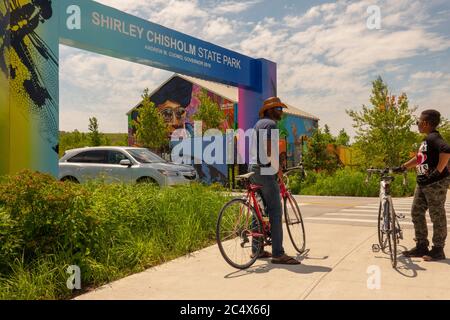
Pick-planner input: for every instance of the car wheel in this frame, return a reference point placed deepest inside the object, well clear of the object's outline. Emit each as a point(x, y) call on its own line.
point(70, 179)
point(147, 180)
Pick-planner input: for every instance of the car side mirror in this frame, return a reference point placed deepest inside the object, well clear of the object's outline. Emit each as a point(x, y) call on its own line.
point(125, 162)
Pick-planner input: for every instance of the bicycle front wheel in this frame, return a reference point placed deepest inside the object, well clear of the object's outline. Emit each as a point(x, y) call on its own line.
point(383, 226)
point(294, 223)
point(393, 237)
point(239, 234)
point(387, 232)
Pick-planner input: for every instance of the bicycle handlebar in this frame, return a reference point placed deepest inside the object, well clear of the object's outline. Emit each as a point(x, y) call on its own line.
point(298, 167)
point(293, 169)
point(385, 171)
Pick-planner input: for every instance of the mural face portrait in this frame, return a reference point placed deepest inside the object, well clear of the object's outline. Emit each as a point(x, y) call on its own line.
point(174, 114)
point(172, 100)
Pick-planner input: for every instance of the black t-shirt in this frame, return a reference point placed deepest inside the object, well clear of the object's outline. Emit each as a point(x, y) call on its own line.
point(428, 158)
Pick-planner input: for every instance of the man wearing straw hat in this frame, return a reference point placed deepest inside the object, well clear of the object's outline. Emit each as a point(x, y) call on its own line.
point(269, 114)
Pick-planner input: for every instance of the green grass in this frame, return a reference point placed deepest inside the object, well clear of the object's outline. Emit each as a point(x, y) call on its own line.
point(109, 231)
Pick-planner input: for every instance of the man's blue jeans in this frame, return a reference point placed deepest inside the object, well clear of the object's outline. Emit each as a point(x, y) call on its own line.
point(271, 196)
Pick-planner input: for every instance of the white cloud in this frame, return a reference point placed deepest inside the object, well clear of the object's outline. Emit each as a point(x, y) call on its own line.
point(218, 28)
point(234, 6)
point(95, 85)
point(430, 75)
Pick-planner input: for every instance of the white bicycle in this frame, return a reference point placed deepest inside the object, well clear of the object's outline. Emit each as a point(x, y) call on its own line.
point(389, 231)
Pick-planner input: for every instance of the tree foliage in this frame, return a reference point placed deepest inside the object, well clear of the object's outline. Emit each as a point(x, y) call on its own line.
point(151, 129)
point(94, 135)
point(209, 113)
point(72, 140)
point(77, 139)
point(383, 130)
point(319, 156)
point(444, 129)
point(343, 139)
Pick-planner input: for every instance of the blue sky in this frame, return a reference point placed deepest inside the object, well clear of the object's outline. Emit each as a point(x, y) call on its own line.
point(325, 54)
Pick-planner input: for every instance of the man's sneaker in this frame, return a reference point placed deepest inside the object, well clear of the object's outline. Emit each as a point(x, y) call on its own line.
point(419, 250)
point(436, 253)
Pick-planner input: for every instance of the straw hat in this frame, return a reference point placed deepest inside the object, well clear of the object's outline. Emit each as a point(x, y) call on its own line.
point(271, 103)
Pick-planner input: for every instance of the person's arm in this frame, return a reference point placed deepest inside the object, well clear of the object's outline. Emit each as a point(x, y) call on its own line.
point(411, 163)
point(443, 161)
point(444, 154)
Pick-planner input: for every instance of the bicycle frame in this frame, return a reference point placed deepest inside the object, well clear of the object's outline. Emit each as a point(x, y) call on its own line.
point(284, 192)
point(385, 197)
point(251, 199)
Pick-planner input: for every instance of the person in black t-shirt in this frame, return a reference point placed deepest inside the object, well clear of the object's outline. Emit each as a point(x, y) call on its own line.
point(433, 180)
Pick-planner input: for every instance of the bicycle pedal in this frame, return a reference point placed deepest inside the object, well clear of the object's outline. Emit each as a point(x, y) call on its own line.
point(376, 248)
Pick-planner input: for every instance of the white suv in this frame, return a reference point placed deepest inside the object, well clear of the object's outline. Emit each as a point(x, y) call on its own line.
point(122, 164)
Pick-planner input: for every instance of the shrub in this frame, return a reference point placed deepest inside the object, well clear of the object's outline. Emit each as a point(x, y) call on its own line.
point(44, 215)
point(348, 182)
point(109, 231)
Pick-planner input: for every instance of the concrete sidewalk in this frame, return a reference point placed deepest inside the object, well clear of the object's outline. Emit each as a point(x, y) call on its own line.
point(336, 267)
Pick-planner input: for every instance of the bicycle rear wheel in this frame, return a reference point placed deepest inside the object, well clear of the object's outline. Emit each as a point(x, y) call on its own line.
point(238, 234)
point(294, 223)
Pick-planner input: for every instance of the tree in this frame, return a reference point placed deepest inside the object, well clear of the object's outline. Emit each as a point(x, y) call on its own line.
point(444, 129)
point(318, 156)
point(327, 136)
point(94, 135)
point(343, 139)
point(151, 130)
point(76, 139)
point(72, 140)
point(383, 130)
point(209, 113)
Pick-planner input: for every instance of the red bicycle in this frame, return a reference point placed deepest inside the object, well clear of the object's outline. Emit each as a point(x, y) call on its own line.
point(243, 228)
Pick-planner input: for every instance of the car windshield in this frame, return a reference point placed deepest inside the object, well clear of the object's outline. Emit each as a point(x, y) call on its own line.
point(145, 156)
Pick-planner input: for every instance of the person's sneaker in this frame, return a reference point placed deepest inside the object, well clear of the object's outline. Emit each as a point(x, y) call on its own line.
point(419, 250)
point(436, 253)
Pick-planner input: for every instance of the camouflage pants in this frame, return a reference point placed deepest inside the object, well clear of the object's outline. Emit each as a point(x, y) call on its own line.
point(432, 198)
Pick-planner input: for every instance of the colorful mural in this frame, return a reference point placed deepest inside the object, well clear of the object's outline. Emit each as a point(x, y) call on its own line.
point(296, 131)
point(29, 69)
point(178, 101)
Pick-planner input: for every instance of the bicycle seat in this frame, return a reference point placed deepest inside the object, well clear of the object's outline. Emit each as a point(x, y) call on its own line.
point(245, 176)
